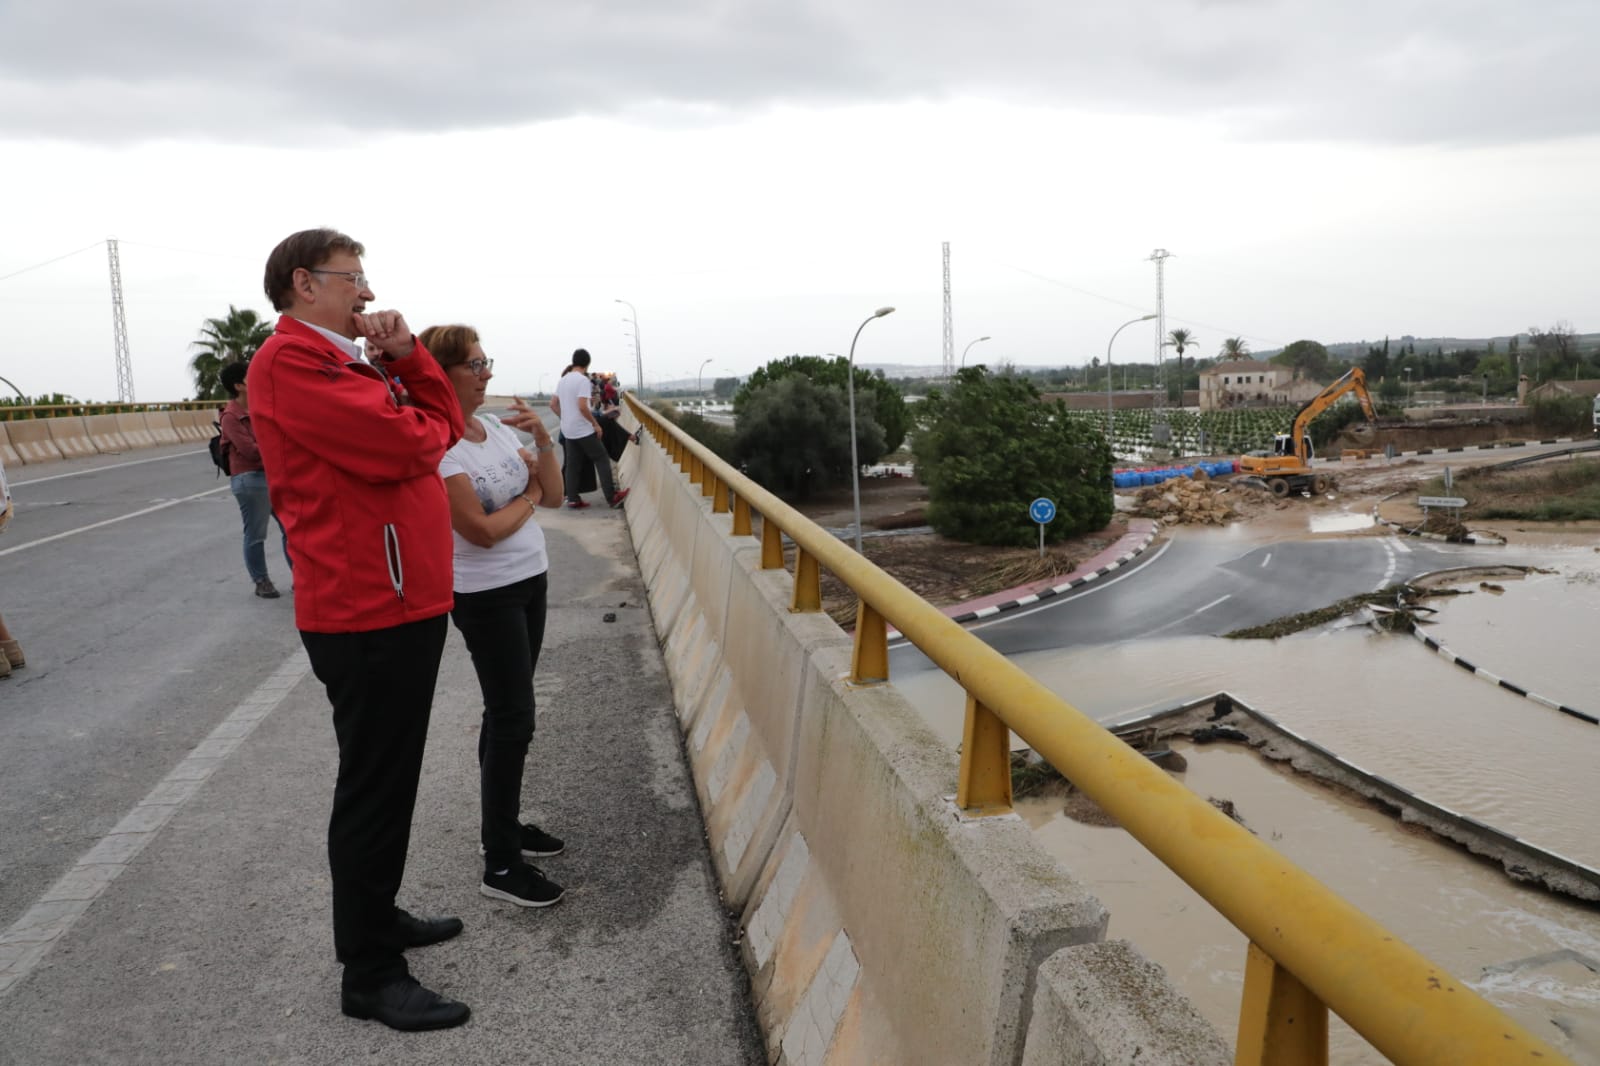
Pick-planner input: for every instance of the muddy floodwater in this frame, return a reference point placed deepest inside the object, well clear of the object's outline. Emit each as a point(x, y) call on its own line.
point(1389, 704)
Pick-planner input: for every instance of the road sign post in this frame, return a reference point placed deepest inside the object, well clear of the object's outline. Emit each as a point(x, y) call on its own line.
point(1042, 511)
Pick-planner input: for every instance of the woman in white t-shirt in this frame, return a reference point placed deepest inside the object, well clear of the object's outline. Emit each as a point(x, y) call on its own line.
point(495, 486)
point(10, 651)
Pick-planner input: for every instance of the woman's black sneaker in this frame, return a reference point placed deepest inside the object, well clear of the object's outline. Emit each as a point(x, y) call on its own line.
point(536, 843)
point(523, 885)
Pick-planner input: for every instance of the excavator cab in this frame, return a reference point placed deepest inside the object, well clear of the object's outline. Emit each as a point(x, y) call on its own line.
point(1281, 445)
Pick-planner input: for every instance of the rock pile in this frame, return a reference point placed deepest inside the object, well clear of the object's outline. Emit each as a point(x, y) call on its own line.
point(1186, 501)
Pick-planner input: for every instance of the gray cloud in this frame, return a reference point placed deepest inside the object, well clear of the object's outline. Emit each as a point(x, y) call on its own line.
point(1399, 71)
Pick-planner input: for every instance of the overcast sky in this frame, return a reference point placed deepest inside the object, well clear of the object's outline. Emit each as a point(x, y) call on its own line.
point(756, 178)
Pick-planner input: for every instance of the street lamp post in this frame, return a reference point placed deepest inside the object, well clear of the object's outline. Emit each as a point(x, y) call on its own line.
point(1407, 371)
point(855, 465)
point(1486, 390)
point(968, 348)
point(1111, 418)
point(638, 361)
point(699, 377)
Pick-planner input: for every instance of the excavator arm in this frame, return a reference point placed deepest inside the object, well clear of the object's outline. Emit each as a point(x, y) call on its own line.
point(1353, 380)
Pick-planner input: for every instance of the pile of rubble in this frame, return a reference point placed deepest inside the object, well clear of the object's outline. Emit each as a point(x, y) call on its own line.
point(1184, 500)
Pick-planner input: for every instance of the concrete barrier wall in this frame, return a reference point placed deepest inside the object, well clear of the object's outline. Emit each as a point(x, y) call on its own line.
point(159, 423)
point(31, 439)
point(71, 436)
point(881, 924)
point(194, 425)
point(133, 429)
point(103, 432)
point(8, 454)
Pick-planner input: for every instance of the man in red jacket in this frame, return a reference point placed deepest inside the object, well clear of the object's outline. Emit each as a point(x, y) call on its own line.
point(353, 476)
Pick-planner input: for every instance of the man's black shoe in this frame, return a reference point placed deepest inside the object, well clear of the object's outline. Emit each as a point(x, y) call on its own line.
point(404, 1004)
point(420, 932)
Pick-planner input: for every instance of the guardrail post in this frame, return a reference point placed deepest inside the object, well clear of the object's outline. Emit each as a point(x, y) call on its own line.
point(1281, 1023)
point(719, 499)
point(708, 483)
point(697, 470)
point(869, 661)
point(984, 786)
point(771, 545)
point(807, 582)
point(741, 516)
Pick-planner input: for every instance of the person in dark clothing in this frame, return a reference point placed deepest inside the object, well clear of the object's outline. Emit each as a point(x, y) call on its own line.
point(247, 479)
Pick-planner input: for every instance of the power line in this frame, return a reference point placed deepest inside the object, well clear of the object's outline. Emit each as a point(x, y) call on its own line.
point(47, 262)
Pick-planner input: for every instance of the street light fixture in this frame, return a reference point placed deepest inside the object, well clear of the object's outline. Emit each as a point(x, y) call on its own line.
point(968, 348)
point(638, 361)
point(1407, 371)
point(855, 465)
point(699, 376)
point(1111, 418)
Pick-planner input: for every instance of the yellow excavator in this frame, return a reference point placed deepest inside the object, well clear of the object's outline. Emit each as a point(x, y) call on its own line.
point(1287, 468)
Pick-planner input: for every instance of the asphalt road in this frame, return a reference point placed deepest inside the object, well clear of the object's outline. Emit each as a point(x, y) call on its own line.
point(1204, 582)
point(148, 651)
point(123, 577)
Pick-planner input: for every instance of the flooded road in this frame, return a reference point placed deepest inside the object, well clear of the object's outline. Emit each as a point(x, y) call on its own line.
point(1387, 703)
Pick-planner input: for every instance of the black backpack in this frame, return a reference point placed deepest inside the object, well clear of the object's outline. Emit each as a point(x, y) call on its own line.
point(218, 447)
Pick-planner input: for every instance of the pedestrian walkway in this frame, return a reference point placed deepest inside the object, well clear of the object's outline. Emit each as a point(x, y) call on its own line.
point(211, 941)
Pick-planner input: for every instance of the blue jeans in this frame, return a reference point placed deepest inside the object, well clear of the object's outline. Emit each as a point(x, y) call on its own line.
point(250, 492)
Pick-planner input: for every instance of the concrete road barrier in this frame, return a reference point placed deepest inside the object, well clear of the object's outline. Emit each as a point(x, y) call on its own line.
point(194, 425)
point(159, 423)
point(71, 436)
point(882, 925)
point(103, 433)
point(134, 431)
point(31, 439)
point(8, 454)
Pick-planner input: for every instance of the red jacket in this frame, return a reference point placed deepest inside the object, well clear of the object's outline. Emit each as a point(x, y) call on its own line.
point(354, 477)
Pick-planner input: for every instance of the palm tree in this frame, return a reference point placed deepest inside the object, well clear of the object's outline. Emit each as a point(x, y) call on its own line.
point(223, 341)
point(1234, 348)
point(1180, 339)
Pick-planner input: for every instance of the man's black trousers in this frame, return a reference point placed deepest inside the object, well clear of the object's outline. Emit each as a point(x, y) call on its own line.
point(381, 686)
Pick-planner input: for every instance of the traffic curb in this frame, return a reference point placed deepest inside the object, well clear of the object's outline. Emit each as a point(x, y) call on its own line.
point(1467, 448)
point(1495, 679)
point(1044, 594)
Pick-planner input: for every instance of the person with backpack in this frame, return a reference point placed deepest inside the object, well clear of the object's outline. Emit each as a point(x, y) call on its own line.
point(239, 457)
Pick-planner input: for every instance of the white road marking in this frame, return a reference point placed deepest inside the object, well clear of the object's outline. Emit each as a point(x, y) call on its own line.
point(1185, 618)
point(98, 469)
point(1266, 559)
point(52, 915)
point(1394, 563)
point(1061, 599)
point(111, 521)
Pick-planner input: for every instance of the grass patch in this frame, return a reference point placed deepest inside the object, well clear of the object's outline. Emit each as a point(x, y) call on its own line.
point(1557, 492)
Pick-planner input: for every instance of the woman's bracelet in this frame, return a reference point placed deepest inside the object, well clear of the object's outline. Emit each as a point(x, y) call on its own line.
point(531, 505)
point(549, 447)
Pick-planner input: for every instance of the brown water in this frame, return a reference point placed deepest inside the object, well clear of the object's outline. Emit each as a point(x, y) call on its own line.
point(1390, 705)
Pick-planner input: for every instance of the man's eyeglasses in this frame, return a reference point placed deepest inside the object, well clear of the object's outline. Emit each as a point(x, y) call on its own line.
point(479, 366)
point(357, 278)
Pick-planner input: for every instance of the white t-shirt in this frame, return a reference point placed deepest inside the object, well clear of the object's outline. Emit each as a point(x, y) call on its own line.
point(569, 390)
point(498, 477)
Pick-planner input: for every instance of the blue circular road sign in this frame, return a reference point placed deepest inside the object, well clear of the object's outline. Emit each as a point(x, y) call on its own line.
point(1042, 511)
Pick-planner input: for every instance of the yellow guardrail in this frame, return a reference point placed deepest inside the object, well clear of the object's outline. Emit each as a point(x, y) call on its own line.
point(21, 413)
point(1310, 951)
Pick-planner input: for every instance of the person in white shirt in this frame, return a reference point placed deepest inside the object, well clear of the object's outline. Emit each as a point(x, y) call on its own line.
point(501, 582)
point(580, 433)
